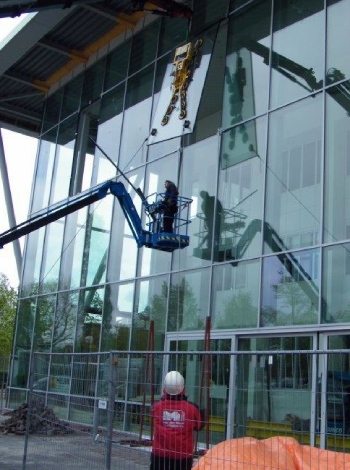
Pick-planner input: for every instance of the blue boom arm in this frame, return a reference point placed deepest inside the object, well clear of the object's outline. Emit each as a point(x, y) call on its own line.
point(151, 238)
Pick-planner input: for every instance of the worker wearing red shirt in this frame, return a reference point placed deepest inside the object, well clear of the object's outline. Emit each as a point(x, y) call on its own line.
point(175, 420)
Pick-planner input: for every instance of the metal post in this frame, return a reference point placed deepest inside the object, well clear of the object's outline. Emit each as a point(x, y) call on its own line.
point(205, 382)
point(149, 365)
point(113, 361)
point(29, 411)
point(95, 421)
point(9, 205)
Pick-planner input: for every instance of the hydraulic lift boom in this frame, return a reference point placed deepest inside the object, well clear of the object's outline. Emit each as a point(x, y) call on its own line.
point(151, 238)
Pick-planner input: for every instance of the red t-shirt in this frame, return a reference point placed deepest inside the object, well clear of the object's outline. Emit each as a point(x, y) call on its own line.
point(174, 420)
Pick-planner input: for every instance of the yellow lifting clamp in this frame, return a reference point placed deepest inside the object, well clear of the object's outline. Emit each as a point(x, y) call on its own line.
point(185, 60)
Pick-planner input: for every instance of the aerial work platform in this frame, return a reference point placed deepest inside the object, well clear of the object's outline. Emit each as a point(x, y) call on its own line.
point(152, 237)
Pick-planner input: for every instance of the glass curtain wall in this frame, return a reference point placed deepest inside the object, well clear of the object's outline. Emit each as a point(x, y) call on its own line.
point(267, 169)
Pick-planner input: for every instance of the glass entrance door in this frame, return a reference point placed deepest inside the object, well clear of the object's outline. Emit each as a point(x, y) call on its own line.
point(293, 386)
point(274, 383)
point(207, 381)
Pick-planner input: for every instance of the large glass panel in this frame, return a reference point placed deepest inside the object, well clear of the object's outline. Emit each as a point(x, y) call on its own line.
point(189, 301)
point(117, 65)
point(235, 296)
point(238, 212)
point(73, 250)
point(338, 54)
point(293, 194)
point(337, 165)
point(173, 31)
point(161, 66)
point(96, 243)
point(64, 322)
point(247, 71)
point(23, 342)
point(51, 259)
point(149, 314)
point(144, 47)
point(208, 119)
point(52, 110)
point(89, 320)
point(72, 96)
point(155, 261)
point(336, 284)
point(206, 12)
point(44, 322)
point(290, 289)
point(40, 200)
point(139, 87)
point(274, 390)
point(298, 50)
point(197, 180)
point(93, 81)
point(83, 163)
point(32, 263)
point(164, 147)
point(109, 132)
point(117, 317)
point(136, 120)
point(122, 244)
point(64, 160)
point(44, 170)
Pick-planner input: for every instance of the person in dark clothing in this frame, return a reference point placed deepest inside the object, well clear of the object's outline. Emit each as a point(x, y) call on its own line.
point(169, 205)
point(208, 209)
point(209, 205)
point(175, 419)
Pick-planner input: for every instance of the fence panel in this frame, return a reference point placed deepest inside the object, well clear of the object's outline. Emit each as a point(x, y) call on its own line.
point(72, 413)
point(93, 410)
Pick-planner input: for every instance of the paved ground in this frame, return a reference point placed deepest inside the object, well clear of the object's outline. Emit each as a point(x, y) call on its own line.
point(68, 452)
point(11, 452)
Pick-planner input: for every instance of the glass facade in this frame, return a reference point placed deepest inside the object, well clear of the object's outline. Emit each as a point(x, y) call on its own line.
point(266, 165)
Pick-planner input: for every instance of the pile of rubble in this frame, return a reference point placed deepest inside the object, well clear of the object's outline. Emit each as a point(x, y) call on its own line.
point(42, 420)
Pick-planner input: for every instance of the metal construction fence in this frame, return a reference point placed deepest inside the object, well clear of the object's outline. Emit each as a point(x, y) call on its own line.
point(4, 366)
point(93, 410)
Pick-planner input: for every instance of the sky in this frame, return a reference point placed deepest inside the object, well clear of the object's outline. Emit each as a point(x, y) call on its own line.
point(20, 153)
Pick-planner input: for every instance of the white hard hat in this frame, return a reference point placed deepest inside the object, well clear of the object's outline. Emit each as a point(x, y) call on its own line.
point(174, 383)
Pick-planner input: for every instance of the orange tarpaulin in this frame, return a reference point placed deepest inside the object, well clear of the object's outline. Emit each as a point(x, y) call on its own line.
point(274, 453)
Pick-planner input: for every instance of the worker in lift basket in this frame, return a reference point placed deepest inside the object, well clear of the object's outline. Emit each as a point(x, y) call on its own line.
point(175, 419)
point(167, 206)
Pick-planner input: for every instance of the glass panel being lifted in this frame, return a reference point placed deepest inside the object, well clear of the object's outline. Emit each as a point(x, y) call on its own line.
point(181, 91)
